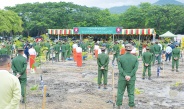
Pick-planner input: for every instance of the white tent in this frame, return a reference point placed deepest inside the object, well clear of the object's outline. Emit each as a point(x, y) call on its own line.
point(168, 34)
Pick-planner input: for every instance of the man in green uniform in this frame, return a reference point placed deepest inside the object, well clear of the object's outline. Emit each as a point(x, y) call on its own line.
point(68, 50)
point(47, 44)
point(175, 57)
point(127, 65)
point(140, 50)
point(57, 51)
point(116, 52)
point(108, 47)
point(147, 59)
point(63, 50)
point(102, 61)
point(152, 52)
point(38, 49)
point(3, 50)
point(19, 66)
point(157, 52)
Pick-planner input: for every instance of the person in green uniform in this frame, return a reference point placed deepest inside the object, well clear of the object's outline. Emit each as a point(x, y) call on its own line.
point(3, 50)
point(127, 65)
point(116, 52)
point(38, 49)
point(47, 44)
point(147, 59)
point(68, 50)
point(157, 52)
point(57, 51)
point(140, 50)
point(152, 52)
point(63, 50)
point(175, 58)
point(102, 61)
point(19, 66)
point(108, 47)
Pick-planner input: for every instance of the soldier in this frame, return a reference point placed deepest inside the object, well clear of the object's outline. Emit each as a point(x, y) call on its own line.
point(3, 50)
point(175, 58)
point(63, 50)
point(19, 66)
point(68, 50)
point(127, 65)
point(152, 52)
point(157, 52)
point(116, 52)
point(108, 47)
point(102, 61)
point(47, 44)
point(38, 49)
point(140, 50)
point(147, 59)
point(57, 51)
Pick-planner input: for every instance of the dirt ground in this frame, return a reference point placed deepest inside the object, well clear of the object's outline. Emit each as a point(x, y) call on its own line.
point(71, 87)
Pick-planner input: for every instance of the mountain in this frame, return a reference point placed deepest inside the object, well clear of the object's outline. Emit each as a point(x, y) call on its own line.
point(118, 9)
point(121, 9)
point(164, 2)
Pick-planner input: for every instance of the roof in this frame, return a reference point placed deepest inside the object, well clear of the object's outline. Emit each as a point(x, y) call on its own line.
point(168, 34)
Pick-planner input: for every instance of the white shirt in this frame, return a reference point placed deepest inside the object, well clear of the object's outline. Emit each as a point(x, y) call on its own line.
point(32, 51)
point(168, 49)
point(99, 51)
point(96, 47)
point(79, 50)
point(160, 46)
point(74, 45)
point(133, 50)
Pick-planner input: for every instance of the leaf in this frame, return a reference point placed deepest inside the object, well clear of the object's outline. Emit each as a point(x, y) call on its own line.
point(35, 87)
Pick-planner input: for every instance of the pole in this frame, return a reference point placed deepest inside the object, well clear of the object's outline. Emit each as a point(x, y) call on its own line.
point(44, 97)
point(80, 37)
point(113, 38)
point(139, 38)
point(58, 36)
point(113, 95)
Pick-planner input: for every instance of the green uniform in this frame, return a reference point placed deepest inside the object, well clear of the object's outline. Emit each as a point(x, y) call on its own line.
point(102, 60)
point(37, 49)
point(68, 50)
point(108, 47)
point(140, 50)
point(175, 57)
point(127, 65)
point(152, 52)
point(157, 52)
point(147, 59)
point(57, 51)
point(3, 51)
point(116, 52)
point(48, 52)
point(64, 50)
point(19, 65)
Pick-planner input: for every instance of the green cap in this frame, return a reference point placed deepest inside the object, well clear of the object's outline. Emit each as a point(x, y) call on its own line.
point(20, 49)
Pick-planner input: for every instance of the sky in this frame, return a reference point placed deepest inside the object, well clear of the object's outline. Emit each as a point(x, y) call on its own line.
point(89, 3)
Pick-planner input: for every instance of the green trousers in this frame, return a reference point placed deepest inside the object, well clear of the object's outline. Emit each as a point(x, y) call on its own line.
point(104, 74)
point(57, 56)
point(115, 56)
point(149, 70)
point(68, 54)
point(158, 58)
point(63, 56)
point(122, 84)
point(23, 82)
point(175, 62)
point(140, 53)
point(48, 55)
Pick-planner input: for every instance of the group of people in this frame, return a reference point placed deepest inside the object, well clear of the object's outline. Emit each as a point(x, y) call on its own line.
point(127, 62)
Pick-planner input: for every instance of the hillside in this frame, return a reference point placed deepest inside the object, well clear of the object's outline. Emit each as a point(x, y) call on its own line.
point(121, 9)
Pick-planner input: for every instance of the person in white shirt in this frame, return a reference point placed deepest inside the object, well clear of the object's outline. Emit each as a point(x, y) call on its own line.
point(134, 51)
point(32, 51)
point(168, 52)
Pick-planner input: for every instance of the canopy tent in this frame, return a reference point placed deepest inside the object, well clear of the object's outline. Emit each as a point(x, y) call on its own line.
point(60, 31)
point(138, 31)
point(168, 34)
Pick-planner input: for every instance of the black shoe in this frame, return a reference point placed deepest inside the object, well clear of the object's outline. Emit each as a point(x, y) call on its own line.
point(22, 101)
point(98, 86)
point(177, 70)
point(105, 87)
point(143, 78)
point(161, 68)
point(149, 78)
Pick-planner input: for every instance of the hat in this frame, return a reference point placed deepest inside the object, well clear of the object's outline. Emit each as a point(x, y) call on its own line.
point(128, 47)
point(168, 44)
point(103, 48)
point(147, 48)
point(20, 49)
point(176, 45)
